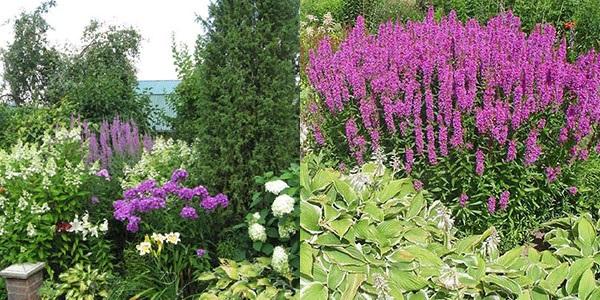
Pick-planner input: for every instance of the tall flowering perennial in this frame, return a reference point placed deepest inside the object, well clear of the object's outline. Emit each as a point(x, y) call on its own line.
point(116, 138)
point(442, 86)
point(149, 196)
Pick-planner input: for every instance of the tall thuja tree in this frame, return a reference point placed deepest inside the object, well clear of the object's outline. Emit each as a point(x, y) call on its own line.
point(247, 99)
point(29, 61)
point(99, 81)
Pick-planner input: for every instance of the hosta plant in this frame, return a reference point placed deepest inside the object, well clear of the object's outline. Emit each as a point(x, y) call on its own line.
point(367, 235)
point(246, 280)
point(83, 283)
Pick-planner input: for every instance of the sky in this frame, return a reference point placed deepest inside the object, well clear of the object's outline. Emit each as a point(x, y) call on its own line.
point(156, 21)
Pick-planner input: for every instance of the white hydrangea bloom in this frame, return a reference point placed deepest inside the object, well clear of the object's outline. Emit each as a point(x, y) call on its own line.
point(280, 260)
point(257, 232)
point(256, 217)
point(276, 186)
point(283, 204)
point(286, 230)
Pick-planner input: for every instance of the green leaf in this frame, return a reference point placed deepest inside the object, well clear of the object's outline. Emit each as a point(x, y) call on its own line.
point(555, 278)
point(503, 283)
point(309, 217)
point(306, 257)
point(353, 282)
point(341, 226)
point(314, 290)
point(346, 191)
point(416, 205)
point(341, 258)
point(322, 179)
point(585, 231)
point(335, 276)
point(407, 281)
point(575, 272)
point(587, 284)
point(400, 187)
point(508, 258)
point(375, 212)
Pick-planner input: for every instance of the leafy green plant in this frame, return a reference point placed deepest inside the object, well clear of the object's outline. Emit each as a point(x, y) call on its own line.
point(246, 280)
point(368, 235)
point(43, 187)
point(83, 283)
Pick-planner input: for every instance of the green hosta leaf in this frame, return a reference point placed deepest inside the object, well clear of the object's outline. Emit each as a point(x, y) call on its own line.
point(503, 283)
point(575, 272)
point(417, 204)
point(375, 212)
point(309, 217)
point(467, 244)
point(306, 257)
point(341, 226)
point(330, 213)
point(231, 270)
point(335, 277)
point(595, 294)
point(535, 272)
point(327, 239)
point(304, 177)
point(417, 235)
point(346, 191)
point(341, 258)
point(314, 290)
point(322, 179)
point(391, 228)
point(587, 284)
point(407, 281)
point(508, 258)
point(568, 251)
point(401, 187)
point(401, 256)
point(585, 231)
point(555, 278)
point(352, 283)
point(548, 259)
point(424, 256)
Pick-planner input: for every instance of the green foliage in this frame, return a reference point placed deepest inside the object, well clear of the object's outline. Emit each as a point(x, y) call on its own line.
point(78, 283)
point(368, 235)
point(100, 81)
point(318, 8)
point(244, 97)
point(27, 123)
point(166, 272)
point(245, 280)
point(29, 61)
point(380, 11)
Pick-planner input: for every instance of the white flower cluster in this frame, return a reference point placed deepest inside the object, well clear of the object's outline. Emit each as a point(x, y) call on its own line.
point(84, 226)
point(65, 135)
point(151, 162)
point(449, 278)
point(279, 261)
point(159, 239)
point(257, 232)
point(276, 186)
point(283, 205)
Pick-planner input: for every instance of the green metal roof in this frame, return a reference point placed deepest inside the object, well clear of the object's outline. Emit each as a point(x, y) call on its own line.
point(158, 87)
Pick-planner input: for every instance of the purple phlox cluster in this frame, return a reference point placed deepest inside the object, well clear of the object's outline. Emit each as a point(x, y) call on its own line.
point(148, 196)
point(431, 77)
point(552, 173)
point(491, 204)
point(200, 252)
point(115, 138)
point(504, 197)
point(188, 212)
point(463, 199)
point(212, 202)
point(94, 199)
point(572, 190)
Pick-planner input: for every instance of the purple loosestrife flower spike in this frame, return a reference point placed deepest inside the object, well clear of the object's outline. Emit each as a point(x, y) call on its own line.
point(491, 204)
point(479, 162)
point(504, 197)
point(418, 185)
point(463, 199)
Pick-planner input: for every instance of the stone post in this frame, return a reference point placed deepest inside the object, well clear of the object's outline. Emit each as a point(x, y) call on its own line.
point(23, 280)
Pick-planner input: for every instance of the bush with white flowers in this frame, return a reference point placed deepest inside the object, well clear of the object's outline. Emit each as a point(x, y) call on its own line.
point(43, 186)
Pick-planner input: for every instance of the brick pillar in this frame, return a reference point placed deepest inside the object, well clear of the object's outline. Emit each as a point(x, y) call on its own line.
point(23, 280)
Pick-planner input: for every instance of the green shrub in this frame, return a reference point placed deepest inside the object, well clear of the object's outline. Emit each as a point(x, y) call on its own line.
point(44, 189)
point(318, 8)
point(246, 102)
point(367, 235)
